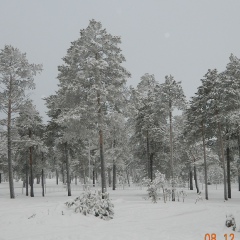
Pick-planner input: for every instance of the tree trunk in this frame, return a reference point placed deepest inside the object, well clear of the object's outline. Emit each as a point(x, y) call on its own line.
point(238, 162)
point(31, 168)
point(42, 176)
point(27, 178)
point(128, 177)
point(63, 176)
point(114, 176)
point(9, 139)
point(75, 179)
point(67, 167)
point(205, 161)
point(228, 172)
point(151, 166)
point(103, 177)
point(195, 178)
point(0, 178)
point(93, 175)
point(42, 182)
point(109, 177)
point(171, 150)
point(222, 159)
point(56, 176)
point(190, 180)
point(148, 157)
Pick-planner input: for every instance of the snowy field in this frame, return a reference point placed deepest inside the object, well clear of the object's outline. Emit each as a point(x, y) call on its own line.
point(135, 218)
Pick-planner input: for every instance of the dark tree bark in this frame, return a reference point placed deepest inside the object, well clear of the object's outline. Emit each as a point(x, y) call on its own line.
point(148, 155)
point(56, 176)
point(190, 180)
point(42, 182)
point(228, 172)
point(222, 158)
point(205, 161)
point(238, 162)
point(63, 176)
point(31, 167)
point(42, 176)
point(151, 166)
point(27, 177)
point(93, 175)
point(171, 150)
point(114, 176)
point(128, 177)
point(75, 179)
point(68, 171)
point(9, 141)
point(195, 178)
point(109, 177)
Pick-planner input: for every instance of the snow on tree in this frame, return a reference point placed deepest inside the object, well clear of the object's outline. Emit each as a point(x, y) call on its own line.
point(16, 76)
point(92, 82)
point(173, 97)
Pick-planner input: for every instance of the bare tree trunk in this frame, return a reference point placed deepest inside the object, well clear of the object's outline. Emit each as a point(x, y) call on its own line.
point(148, 156)
point(205, 161)
point(42, 176)
point(222, 159)
point(238, 162)
point(31, 168)
point(190, 180)
point(56, 176)
point(109, 177)
point(114, 176)
point(171, 150)
point(63, 176)
point(0, 178)
point(10, 170)
point(128, 177)
point(151, 166)
point(195, 178)
point(26, 176)
point(94, 175)
point(67, 167)
point(42, 182)
point(228, 172)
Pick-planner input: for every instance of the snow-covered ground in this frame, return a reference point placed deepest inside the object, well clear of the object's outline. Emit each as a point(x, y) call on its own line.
point(135, 218)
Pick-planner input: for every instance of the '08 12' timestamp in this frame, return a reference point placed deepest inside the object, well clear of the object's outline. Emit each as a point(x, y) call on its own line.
point(213, 236)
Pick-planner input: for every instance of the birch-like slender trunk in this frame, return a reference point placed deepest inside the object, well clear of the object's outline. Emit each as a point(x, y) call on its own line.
point(205, 161)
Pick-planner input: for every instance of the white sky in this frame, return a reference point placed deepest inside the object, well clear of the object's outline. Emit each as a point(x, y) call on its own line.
point(180, 37)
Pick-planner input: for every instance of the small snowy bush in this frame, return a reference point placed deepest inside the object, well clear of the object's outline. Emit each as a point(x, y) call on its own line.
point(230, 222)
point(153, 186)
point(94, 204)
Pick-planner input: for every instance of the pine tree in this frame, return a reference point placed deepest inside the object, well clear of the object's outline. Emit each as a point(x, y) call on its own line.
point(92, 82)
point(173, 97)
point(16, 76)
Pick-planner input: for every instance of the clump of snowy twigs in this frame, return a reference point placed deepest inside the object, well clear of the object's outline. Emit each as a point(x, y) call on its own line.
point(97, 204)
point(152, 187)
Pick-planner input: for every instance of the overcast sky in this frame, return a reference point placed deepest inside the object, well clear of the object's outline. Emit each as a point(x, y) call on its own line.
point(180, 37)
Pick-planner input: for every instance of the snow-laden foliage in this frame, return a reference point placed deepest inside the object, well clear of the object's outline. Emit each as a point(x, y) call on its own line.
point(153, 186)
point(97, 204)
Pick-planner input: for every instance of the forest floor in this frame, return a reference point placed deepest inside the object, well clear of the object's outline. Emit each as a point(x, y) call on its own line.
point(47, 218)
